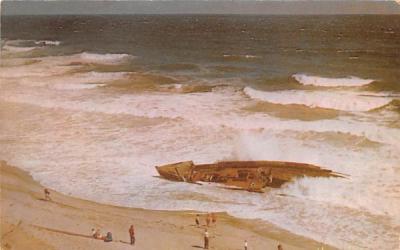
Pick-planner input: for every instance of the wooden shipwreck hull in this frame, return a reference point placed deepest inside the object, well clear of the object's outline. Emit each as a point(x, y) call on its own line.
point(248, 175)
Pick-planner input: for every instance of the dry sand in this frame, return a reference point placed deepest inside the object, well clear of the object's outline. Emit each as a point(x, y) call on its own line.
point(30, 222)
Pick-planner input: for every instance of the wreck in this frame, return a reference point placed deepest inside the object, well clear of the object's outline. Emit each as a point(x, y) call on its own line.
point(252, 176)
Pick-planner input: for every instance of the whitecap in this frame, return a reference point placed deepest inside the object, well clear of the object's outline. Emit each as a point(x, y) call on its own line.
point(241, 56)
point(11, 48)
point(104, 58)
point(344, 101)
point(331, 82)
point(48, 42)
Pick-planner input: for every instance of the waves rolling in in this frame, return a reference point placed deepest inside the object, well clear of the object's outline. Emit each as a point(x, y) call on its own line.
point(64, 109)
point(344, 101)
point(331, 82)
point(104, 58)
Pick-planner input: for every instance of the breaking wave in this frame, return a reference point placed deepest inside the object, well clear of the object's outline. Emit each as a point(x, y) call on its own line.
point(26, 45)
point(240, 57)
point(334, 138)
point(10, 48)
point(386, 86)
point(394, 106)
point(344, 101)
point(331, 82)
point(48, 42)
point(105, 58)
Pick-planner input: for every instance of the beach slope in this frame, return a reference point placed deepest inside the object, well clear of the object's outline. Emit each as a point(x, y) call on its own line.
point(28, 221)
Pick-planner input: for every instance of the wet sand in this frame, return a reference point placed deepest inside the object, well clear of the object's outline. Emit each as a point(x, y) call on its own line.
point(28, 221)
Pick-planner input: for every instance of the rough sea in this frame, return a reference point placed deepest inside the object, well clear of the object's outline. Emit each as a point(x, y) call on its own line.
point(90, 104)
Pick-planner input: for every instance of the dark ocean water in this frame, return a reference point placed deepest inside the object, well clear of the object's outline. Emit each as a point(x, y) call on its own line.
point(266, 50)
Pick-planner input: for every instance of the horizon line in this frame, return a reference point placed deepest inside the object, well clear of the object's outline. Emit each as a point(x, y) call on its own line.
point(212, 7)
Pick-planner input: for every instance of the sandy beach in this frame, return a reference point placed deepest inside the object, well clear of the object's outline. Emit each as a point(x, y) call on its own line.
point(28, 221)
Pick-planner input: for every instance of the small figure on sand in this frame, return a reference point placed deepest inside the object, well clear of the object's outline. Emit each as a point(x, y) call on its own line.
point(245, 245)
point(197, 220)
point(213, 218)
point(280, 247)
point(97, 234)
point(132, 234)
point(94, 234)
point(108, 237)
point(208, 219)
point(206, 239)
point(47, 195)
point(270, 177)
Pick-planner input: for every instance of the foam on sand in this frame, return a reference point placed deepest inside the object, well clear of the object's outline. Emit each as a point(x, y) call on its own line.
point(345, 101)
point(331, 82)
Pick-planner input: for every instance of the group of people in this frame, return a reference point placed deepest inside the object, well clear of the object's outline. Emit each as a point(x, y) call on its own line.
point(246, 245)
point(97, 235)
point(108, 237)
point(211, 218)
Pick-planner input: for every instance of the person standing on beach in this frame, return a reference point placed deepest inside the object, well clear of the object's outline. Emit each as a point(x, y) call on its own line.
point(197, 220)
point(47, 194)
point(206, 239)
point(245, 245)
point(208, 219)
point(214, 218)
point(132, 234)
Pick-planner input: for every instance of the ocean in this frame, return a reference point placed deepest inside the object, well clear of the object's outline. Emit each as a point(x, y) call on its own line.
point(90, 104)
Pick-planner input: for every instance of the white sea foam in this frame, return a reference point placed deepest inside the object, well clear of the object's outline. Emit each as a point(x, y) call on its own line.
point(105, 58)
point(331, 82)
point(371, 201)
point(20, 46)
point(11, 48)
point(48, 42)
point(275, 146)
point(127, 157)
point(78, 86)
point(241, 56)
point(126, 131)
point(345, 101)
point(216, 110)
point(86, 80)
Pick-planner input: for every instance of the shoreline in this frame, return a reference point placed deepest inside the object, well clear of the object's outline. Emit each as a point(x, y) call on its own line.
point(28, 221)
